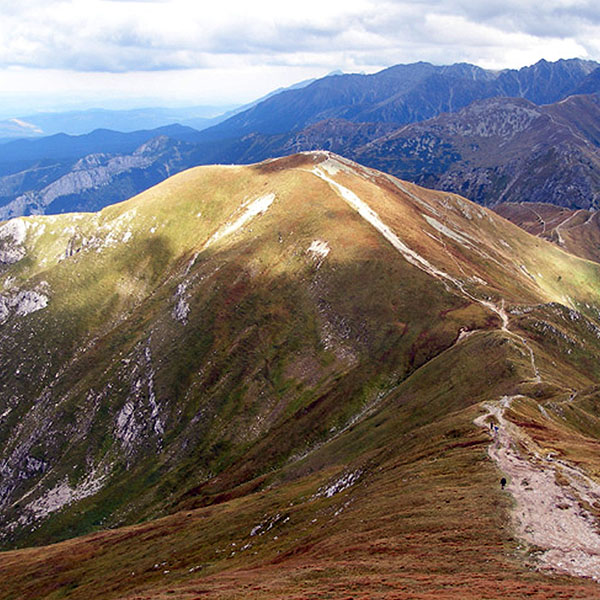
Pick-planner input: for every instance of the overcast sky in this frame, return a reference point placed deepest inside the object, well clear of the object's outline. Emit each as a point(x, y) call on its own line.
point(55, 53)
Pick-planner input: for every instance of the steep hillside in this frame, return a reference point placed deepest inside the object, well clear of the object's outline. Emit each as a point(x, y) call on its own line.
point(591, 83)
point(284, 362)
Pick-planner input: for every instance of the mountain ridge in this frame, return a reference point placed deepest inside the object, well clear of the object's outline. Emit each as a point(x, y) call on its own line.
point(501, 150)
point(401, 94)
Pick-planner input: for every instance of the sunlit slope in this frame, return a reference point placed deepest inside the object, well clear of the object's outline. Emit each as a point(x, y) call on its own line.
point(576, 231)
point(238, 331)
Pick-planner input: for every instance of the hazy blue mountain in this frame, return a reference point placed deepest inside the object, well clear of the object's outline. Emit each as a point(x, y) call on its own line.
point(494, 150)
point(591, 84)
point(62, 146)
point(401, 94)
point(546, 82)
point(78, 122)
point(85, 121)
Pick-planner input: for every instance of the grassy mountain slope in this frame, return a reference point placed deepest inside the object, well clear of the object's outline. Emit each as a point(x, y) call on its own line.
point(577, 231)
point(286, 359)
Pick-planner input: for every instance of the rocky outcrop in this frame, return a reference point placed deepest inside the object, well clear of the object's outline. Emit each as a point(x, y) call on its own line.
point(21, 303)
point(12, 236)
point(94, 180)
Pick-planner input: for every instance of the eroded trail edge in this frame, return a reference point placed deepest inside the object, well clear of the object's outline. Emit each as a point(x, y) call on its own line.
point(550, 497)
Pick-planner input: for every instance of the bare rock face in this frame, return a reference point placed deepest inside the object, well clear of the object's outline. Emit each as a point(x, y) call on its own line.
point(12, 236)
point(20, 304)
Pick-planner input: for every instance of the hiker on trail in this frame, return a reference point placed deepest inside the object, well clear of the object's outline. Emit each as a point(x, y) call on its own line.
point(503, 482)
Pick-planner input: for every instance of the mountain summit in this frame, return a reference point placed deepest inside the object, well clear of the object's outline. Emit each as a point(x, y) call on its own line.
point(299, 366)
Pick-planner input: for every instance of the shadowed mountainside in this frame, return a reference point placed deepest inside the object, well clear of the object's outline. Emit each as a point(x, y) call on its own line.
point(501, 149)
point(402, 94)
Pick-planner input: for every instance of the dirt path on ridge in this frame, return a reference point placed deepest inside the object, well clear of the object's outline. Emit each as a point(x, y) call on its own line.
point(414, 258)
point(547, 515)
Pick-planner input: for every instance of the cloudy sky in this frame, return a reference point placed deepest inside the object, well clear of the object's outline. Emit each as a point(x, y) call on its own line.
point(60, 53)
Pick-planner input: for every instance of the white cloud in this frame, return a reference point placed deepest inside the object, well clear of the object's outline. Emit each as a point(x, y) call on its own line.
point(490, 47)
point(222, 43)
point(110, 35)
point(28, 90)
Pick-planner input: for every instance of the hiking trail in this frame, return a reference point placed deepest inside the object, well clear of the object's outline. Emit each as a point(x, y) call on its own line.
point(548, 515)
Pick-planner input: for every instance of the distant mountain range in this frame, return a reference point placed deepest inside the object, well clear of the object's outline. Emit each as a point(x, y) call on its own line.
point(530, 134)
point(405, 94)
point(80, 122)
point(63, 173)
point(501, 149)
